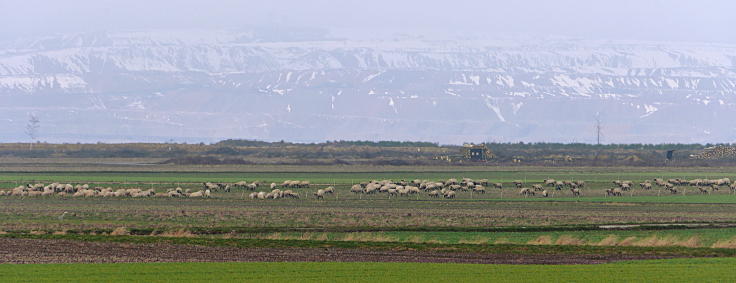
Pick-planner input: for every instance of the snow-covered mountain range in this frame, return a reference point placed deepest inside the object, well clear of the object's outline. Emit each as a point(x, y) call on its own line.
point(202, 85)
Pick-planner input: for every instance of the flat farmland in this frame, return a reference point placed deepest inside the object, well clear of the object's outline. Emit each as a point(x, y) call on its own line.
point(345, 210)
point(498, 226)
point(679, 270)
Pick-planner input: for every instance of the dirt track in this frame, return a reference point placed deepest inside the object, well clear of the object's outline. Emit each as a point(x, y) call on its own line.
point(67, 251)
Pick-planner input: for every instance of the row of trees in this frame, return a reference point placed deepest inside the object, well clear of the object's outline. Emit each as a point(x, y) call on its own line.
point(380, 153)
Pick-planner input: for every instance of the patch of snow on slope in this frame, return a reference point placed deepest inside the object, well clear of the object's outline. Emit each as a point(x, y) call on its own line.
point(672, 83)
point(450, 92)
point(475, 80)
point(392, 104)
point(516, 106)
point(495, 109)
point(505, 80)
point(582, 86)
point(137, 105)
point(32, 83)
point(649, 110)
point(372, 76)
point(464, 81)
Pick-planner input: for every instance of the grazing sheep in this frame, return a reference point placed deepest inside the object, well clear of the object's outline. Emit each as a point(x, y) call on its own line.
point(616, 192)
point(498, 186)
point(240, 184)
point(290, 194)
point(320, 194)
point(252, 186)
point(277, 193)
point(434, 194)
point(575, 192)
point(468, 185)
point(371, 189)
point(479, 189)
point(210, 186)
point(430, 187)
point(411, 190)
point(537, 188)
point(559, 185)
point(646, 186)
point(173, 193)
point(549, 182)
point(197, 194)
point(625, 187)
point(356, 189)
point(703, 190)
point(519, 184)
point(385, 188)
point(449, 194)
point(545, 193)
point(526, 192)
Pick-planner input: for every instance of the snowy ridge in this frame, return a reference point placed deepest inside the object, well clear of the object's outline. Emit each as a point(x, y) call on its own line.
point(465, 90)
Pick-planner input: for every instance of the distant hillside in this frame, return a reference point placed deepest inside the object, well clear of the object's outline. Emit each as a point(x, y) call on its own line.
point(209, 85)
point(375, 153)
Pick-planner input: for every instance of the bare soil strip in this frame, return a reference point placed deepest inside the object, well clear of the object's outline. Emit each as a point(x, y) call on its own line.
point(69, 251)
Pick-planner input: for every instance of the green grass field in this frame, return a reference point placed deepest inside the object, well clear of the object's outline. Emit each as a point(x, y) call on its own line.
point(676, 270)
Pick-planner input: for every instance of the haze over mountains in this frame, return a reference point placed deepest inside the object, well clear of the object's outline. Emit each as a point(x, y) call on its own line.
point(308, 85)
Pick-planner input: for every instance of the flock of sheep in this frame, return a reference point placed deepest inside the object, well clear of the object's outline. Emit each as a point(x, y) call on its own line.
point(435, 189)
point(448, 189)
point(704, 186)
point(85, 190)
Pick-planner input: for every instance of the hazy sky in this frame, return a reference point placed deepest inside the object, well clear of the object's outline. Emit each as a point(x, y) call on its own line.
point(682, 20)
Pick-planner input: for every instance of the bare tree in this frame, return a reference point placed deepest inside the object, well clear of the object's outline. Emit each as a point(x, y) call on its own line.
point(32, 129)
